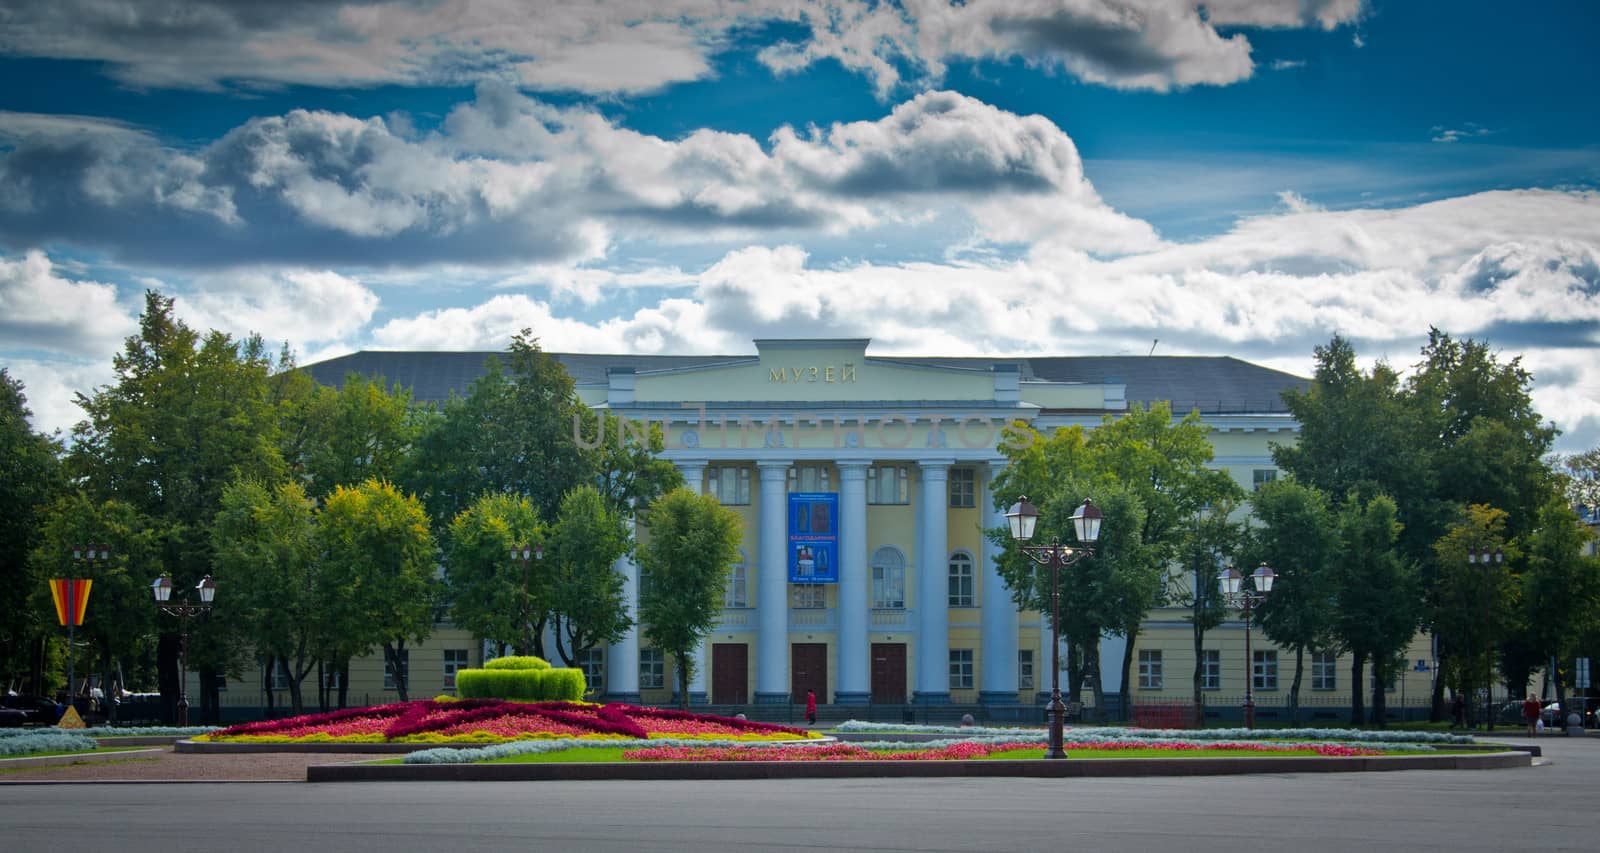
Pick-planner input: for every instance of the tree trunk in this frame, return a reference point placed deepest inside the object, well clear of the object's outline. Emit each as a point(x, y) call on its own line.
point(1294, 686)
point(210, 696)
point(1199, 633)
point(1357, 670)
point(344, 683)
point(1438, 710)
point(1379, 698)
point(167, 676)
point(682, 661)
point(266, 685)
point(1125, 694)
point(391, 654)
point(1091, 673)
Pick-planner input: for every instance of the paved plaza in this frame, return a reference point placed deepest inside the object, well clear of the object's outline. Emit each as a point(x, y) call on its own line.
point(1550, 806)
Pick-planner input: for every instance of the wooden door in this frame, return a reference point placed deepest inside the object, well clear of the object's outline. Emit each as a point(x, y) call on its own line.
point(730, 674)
point(889, 673)
point(808, 670)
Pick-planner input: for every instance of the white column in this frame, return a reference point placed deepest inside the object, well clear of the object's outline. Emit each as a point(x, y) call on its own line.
point(933, 585)
point(998, 669)
point(622, 657)
point(694, 476)
point(772, 587)
point(855, 649)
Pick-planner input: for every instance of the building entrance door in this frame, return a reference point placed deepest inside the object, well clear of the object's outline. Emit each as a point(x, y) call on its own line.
point(808, 670)
point(889, 673)
point(730, 674)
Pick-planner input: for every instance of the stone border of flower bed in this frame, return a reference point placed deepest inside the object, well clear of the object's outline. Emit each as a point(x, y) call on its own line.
point(1081, 768)
point(73, 757)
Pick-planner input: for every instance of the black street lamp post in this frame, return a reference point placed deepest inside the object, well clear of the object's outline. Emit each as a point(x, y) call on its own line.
point(1246, 601)
point(1086, 524)
point(162, 590)
point(1487, 558)
point(82, 557)
point(526, 556)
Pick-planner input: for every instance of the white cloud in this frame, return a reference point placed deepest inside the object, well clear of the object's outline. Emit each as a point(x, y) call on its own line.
point(42, 310)
point(633, 46)
point(303, 307)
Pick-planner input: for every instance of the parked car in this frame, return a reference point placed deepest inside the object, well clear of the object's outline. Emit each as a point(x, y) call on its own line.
point(21, 710)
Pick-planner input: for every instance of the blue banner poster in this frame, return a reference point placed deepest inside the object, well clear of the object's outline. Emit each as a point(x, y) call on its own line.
point(814, 537)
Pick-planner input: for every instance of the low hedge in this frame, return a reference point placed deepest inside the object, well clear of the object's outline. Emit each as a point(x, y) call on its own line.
point(521, 685)
point(517, 662)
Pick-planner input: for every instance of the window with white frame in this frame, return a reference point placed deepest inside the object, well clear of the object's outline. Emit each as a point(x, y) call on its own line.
point(961, 582)
point(888, 578)
point(279, 675)
point(1149, 669)
point(808, 596)
point(1262, 476)
point(652, 669)
point(1372, 681)
point(330, 678)
point(729, 485)
point(1264, 670)
point(737, 592)
point(1210, 669)
point(961, 669)
point(963, 488)
point(390, 682)
point(810, 478)
point(1324, 671)
point(1025, 669)
point(455, 660)
point(593, 664)
point(889, 484)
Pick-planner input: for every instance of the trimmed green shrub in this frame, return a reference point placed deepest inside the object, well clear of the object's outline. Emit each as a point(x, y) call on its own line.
point(521, 685)
point(517, 662)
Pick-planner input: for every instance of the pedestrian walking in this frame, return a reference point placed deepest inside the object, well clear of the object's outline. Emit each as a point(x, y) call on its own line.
point(1530, 714)
point(811, 707)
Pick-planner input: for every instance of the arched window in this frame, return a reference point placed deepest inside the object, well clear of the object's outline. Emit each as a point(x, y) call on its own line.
point(737, 592)
point(889, 578)
point(962, 592)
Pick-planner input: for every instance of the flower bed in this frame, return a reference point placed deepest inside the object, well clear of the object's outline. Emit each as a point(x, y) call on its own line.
point(496, 721)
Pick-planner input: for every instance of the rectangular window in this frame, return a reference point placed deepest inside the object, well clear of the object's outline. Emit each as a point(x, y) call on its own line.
point(331, 677)
point(1324, 671)
point(652, 669)
point(279, 679)
point(737, 592)
point(1264, 673)
point(389, 680)
point(963, 488)
point(810, 478)
point(808, 596)
point(961, 581)
point(1372, 681)
point(888, 587)
point(960, 669)
point(1025, 669)
point(593, 664)
point(455, 660)
point(888, 484)
point(1149, 669)
point(1262, 476)
point(1210, 669)
point(729, 485)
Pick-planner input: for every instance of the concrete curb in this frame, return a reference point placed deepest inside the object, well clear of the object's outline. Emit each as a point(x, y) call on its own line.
point(1070, 769)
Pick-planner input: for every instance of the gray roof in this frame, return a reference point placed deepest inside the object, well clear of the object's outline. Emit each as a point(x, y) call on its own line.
point(1212, 384)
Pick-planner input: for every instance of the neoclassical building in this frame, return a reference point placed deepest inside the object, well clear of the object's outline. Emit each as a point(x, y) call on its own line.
point(864, 483)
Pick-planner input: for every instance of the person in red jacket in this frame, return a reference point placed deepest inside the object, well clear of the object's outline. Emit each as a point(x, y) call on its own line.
point(1530, 713)
point(811, 707)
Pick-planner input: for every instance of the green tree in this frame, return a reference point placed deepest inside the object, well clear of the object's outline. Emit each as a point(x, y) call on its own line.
point(381, 559)
point(1474, 603)
point(1214, 542)
point(1581, 479)
point(1560, 589)
point(693, 542)
point(1377, 598)
point(185, 416)
point(360, 431)
point(498, 600)
point(1165, 465)
point(587, 605)
point(30, 482)
point(1298, 537)
point(269, 563)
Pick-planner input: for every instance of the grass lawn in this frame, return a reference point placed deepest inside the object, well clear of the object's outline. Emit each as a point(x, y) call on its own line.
point(100, 751)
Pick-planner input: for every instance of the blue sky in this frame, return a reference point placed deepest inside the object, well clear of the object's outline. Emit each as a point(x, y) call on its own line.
point(1242, 177)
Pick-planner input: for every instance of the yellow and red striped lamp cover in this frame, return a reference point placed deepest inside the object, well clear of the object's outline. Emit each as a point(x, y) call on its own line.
point(72, 599)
